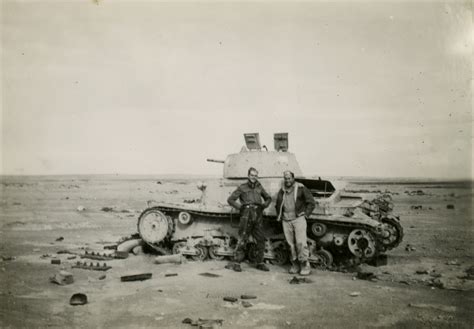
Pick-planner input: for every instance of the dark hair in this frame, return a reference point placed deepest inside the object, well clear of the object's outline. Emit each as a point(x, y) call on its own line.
point(290, 172)
point(251, 169)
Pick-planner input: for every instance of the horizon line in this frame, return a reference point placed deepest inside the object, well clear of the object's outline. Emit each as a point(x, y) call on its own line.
point(439, 179)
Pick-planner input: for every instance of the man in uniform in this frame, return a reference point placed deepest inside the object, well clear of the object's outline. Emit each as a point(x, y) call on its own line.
point(251, 205)
point(293, 205)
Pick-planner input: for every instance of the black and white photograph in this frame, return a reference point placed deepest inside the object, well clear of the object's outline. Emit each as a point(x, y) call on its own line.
point(236, 164)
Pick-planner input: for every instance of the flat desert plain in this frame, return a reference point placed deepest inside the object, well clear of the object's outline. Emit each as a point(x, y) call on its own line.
point(427, 282)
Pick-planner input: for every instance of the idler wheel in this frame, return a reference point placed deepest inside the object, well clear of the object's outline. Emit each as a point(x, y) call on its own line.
point(361, 243)
point(213, 255)
point(395, 230)
point(178, 246)
point(252, 252)
point(202, 253)
point(318, 229)
point(185, 218)
point(324, 257)
point(153, 226)
point(281, 255)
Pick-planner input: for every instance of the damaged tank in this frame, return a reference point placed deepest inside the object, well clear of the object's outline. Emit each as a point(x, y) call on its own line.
point(342, 226)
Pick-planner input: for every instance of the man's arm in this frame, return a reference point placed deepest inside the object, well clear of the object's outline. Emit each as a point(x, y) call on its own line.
point(266, 198)
point(232, 200)
point(309, 201)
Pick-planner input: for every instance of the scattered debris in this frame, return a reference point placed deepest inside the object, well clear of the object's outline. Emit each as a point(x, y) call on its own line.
point(91, 266)
point(111, 247)
point(404, 282)
point(296, 280)
point(453, 262)
point(8, 258)
point(246, 304)
point(78, 299)
point(230, 299)
point(364, 275)
point(64, 251)
point(98, 256)
point(55, 261)
point(470, 271)
point(72, 257)
point(248, 297)
point(16, 203)
point(409, 247)
point(107, 209)
point(422, 271)
point(80, 208)
point(159, 183)
point(210, 275)
point(416, 207)
point(60, 238)
point(174, 259)
point(62, 278)
point(136, 277)
point(354, 294)
point(443, 308)
point(171, 274)
point(204, 323)
point(102, 277)
point(450, 206)
point(418, 192)
point(436, 282)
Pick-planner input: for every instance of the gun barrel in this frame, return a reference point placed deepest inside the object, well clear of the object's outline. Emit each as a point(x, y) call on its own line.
point(214, 160)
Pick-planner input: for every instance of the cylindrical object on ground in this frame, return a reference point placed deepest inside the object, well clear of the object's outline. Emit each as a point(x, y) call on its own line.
point(176, 259)
point(129, 245)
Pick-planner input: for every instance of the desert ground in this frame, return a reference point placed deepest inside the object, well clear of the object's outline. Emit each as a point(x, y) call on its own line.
point(427, 282)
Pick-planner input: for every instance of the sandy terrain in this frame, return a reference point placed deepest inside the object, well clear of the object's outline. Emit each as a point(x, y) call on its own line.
point(37, 211)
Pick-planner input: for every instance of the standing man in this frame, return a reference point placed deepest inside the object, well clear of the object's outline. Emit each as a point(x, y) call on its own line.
point(250, 195)
point(294, 204)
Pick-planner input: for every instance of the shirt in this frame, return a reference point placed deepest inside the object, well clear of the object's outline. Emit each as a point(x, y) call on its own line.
point(289, 212)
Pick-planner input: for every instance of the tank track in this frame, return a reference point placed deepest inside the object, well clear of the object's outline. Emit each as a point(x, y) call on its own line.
point(321, 254)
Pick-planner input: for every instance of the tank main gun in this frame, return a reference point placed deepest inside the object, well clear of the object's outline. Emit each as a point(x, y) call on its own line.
point(215, 160)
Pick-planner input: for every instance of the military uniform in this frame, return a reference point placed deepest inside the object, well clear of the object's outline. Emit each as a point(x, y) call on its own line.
point(253, 199)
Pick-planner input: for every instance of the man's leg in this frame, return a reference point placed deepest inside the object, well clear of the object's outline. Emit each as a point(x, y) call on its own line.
point(259, 236)
point(239, 253)
point(289, 232)
point(302, 245)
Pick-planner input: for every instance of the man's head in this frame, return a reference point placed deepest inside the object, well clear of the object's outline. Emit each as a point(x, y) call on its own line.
point(253, 175)
point(288, 178)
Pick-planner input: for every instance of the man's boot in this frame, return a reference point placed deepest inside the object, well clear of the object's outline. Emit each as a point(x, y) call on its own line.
point(305, 268)
point(262, 267)
point(295, 267)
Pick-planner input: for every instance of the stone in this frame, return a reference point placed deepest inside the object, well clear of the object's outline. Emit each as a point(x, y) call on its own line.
point(62, 278)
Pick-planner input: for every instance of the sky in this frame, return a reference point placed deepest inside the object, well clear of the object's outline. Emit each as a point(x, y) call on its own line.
point(367, 88)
